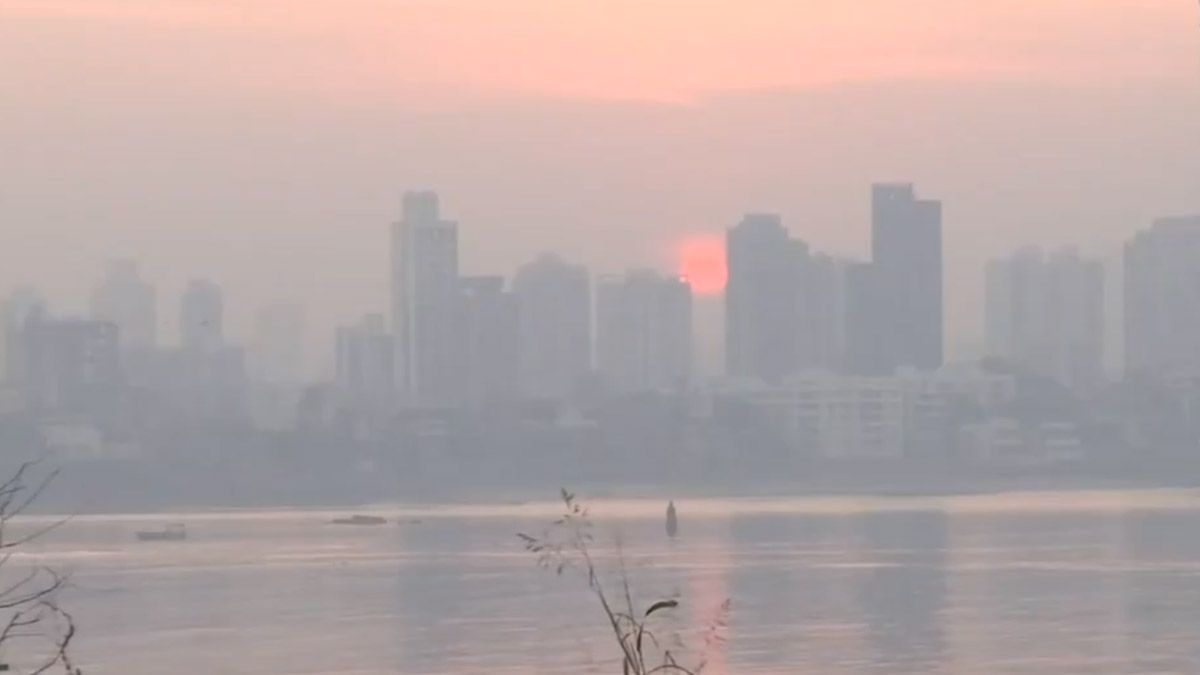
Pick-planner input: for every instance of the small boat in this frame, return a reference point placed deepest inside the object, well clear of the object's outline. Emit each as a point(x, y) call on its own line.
point(359, 519)
point(172, 532)
point(672, 521)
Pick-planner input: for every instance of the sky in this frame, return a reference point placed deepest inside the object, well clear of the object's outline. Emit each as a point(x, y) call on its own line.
point(265, 143)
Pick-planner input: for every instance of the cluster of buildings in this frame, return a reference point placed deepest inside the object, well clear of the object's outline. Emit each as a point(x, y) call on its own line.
point(790, 310)
point(826, 358)
point(454, 340)
point(105, 385)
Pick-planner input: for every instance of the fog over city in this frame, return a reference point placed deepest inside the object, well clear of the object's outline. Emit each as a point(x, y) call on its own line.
point(791, 336)
point(267, 149)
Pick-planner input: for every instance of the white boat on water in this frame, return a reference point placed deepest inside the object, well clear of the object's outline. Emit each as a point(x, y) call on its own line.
point(359, 519)
point(172, 532)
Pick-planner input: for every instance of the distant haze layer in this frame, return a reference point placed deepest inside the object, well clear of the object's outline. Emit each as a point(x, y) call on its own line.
point(264, 143)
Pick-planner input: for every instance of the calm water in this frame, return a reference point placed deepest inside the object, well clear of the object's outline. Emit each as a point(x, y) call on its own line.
point(1047, 583)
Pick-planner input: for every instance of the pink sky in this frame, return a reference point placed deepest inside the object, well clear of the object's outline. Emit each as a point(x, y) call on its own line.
point(258, 141)
point(642, 49)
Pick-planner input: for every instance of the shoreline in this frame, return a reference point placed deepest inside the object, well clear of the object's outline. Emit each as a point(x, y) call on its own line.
point(645, 501)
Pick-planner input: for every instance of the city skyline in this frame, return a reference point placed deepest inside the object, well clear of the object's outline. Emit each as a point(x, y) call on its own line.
point(389, 336)
point(826, 333)
point(828, 359)
point(118, 295)
point(256, 181)
point(965, 333)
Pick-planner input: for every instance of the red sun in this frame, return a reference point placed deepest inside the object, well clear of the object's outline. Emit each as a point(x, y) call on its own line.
point(702, 263)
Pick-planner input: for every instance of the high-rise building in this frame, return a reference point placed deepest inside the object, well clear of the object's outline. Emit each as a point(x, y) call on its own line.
point(278, 352)
point(487, 331)
point(643, 332)
point(1162, 298)
point(906, 243)
point(19, 308)
point(424, 294)
point(896, 300)
point(762, 299)
point(124, 299)
point(275, 365)
point(867, 348)
point(71, 365)
point(785, 306)
point(206, 378)
point(822, 312)
point(555, 307)
point(365, 369)
point(1045, 314)
point(202, 317)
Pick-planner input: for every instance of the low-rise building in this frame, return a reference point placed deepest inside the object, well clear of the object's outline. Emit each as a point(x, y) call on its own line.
point(910, 414)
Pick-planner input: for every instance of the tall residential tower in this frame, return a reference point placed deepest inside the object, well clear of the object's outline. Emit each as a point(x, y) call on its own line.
point(424, 293)
point(1162, 298)
point(122, 298)
point(555, 309)
point(896, 299)
point(1045, 314)
point(762, 299)
point(644, 332)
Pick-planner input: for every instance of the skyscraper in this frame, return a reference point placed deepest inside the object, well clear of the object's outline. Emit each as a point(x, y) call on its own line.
point(643, 332)
point(487, 334)
point(209, 376)
point(1162, 298)
point(22, 306)
point(124, 299)
point(365, 367)
point(424, 293)
point(278, 352)
point(785, 305)
point(868, 351)
point(275, 365)
point(823, 312)
point(555, 306)
point(897, 300)
point(1046, 315)
point(71, 365)
point(762, 299)
point(202, 317)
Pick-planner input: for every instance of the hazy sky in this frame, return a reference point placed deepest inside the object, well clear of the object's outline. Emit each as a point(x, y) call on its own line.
point(264, 143)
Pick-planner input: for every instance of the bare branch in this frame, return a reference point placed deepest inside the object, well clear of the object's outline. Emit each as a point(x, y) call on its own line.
point(37, 534)
point(31, 599)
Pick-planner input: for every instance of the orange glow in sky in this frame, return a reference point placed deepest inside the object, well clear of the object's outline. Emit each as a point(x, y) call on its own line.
point(669, 50)
point(702, 263)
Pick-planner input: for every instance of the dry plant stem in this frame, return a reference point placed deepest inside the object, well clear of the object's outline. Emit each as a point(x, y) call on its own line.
point(31, 600)
point(565, 545)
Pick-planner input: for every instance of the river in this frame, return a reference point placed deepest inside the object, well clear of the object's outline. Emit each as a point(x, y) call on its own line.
point(1081, 582)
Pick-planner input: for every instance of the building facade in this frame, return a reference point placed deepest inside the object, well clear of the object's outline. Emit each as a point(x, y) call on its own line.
point(365, 368)
point(279, 342)
point(1045, 315)
point(910, 414)
point(202, 317)
point(1162, 299)
point(124, 299)
point(644, 332)
point(555, 326)
point(897, 305)
point(424, 293)
point(71, 366)
point(21, 306)
point(487, 330)
point(762, 299)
